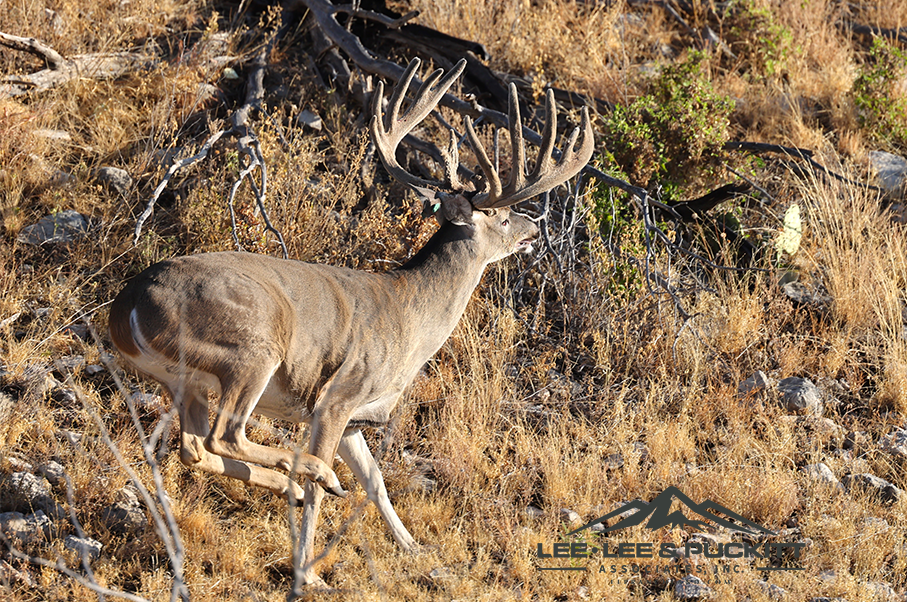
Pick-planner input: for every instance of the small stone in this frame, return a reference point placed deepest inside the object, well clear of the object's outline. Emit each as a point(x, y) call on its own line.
point(441, 573)
point(534, 512)
point(614, 462)
point(582, 592)
point(28, 486)
point(828, 575)
point(18, 464)
point(69, 362)
point(53, 472)
point(310, 119)
point(60, 179)
point(756, 383)
point(124, 518)
point(875, 525)
point(55, 135)
point(114, 178)
point(94, 369)
point(822, 474)
point(640, 448)
point(692, 588)
point(826, 599)
point(569, 516)
point(33, 491)
point(63, 227)
point(771, 590)
point(10, 574)
point(890, 171)
point(873, 484)
point(800, 395)
point(881, 592)
point(27, 529)
point(895, 443)
point(83, 546)
point(803, 295)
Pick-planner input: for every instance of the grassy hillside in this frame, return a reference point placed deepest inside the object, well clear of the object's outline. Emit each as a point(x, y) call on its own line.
point(572, 382)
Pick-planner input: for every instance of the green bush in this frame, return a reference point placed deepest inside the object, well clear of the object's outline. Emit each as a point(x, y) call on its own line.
point(880, 111)
point(674, 134)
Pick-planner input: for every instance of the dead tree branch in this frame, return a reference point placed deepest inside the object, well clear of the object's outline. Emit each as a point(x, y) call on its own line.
point(61, 70)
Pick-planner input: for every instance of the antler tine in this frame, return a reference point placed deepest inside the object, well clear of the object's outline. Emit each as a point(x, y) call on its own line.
point(452, 163)
point(544, 177)
point(518, 148)
point(389, 131)
point(543, 162)
point(492, 181)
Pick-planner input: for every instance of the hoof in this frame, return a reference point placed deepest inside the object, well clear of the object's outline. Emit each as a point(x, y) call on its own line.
point(335, 490)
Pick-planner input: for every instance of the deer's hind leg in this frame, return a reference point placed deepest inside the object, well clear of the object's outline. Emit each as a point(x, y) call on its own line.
point(240, 393)
point(194, 429)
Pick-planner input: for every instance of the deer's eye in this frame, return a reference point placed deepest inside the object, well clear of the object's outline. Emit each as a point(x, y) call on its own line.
point(505, 223)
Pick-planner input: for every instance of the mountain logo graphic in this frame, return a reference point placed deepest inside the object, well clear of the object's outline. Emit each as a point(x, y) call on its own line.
point(658, 511)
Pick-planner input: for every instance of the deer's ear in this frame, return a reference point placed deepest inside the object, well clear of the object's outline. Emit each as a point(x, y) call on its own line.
point(454, 208)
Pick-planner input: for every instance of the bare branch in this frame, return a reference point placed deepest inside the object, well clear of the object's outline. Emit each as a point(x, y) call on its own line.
point(53, 58)
point(62, 70)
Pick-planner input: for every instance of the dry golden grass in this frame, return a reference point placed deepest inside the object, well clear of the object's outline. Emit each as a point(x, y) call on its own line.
point(490, 415)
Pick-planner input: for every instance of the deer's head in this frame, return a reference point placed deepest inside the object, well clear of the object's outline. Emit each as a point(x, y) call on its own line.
point(481, 204)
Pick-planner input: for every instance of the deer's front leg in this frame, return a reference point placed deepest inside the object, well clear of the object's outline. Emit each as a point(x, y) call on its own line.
point(356, 454)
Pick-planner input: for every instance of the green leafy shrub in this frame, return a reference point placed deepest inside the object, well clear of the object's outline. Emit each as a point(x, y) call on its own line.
point(674, 134)
point(879, 109)
point(761, 44)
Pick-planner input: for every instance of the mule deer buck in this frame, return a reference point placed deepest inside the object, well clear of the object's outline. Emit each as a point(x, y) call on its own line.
point(330, 346)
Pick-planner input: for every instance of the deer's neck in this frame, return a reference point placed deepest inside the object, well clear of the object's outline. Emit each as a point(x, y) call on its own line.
point(439, 280)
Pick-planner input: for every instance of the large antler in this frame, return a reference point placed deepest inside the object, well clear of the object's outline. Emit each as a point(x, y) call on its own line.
point(545, 175)
point(388, 132)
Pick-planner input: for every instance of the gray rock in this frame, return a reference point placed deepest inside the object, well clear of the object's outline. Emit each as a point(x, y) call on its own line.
point(28, 486)
point(34, 492)
point(756, 383)
point(114, 178)
point(569, 516)
point(125, 516)
point(800, 395)
point(26, 528)
point(822, 474)
point(895, 443)
point(692, 588)
point(826, 599)
point(83, 546)
point(890, 171)
point(53, 472)
point(534, 512)
point(69, 362)
point(94, 369)
point(10, 574)
point(873, 484)
point(614, 461)
point(18, 464)
point(828, 575)
point(875, 525)
point(55, 135)
point(441, 573)
point(310, 119)
point(771, 590)
point(63, 227)
point(880, 591)
point(803, 295)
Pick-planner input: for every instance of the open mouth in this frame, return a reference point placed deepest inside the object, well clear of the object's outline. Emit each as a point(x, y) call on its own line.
point(525, 245)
